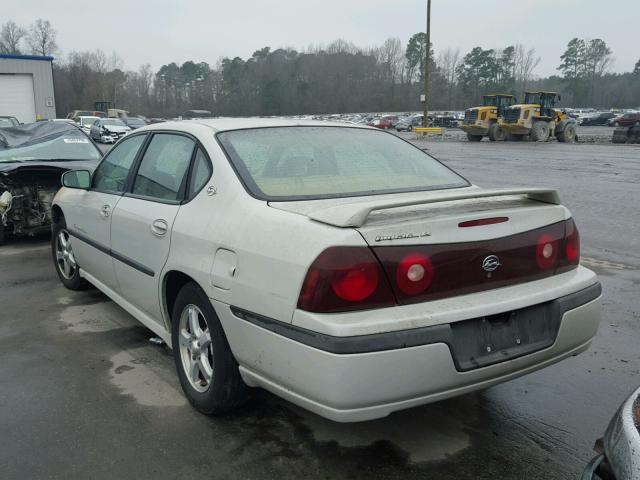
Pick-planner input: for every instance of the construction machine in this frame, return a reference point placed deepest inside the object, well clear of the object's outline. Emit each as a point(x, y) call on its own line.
point(538, 118)
point(482, 121)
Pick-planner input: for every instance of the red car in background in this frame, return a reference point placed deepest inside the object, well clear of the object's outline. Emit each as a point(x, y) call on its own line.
point(625, 120)
point(385, 123)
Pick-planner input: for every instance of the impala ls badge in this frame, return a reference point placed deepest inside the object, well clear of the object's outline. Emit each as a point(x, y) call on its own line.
point(490, 263)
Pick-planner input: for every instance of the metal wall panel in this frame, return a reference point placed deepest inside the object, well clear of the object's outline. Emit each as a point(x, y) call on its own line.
point(41, 70)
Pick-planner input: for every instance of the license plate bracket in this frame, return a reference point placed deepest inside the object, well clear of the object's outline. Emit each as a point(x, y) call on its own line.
point(484, 341)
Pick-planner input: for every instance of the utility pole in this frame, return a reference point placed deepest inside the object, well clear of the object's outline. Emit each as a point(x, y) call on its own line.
point(425, 121)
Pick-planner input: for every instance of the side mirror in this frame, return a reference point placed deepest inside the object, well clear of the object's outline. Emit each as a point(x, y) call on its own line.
point(77, 179)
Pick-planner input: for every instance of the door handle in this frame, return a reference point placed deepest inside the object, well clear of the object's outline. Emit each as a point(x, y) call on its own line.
point(159, 227)
point(105, 211)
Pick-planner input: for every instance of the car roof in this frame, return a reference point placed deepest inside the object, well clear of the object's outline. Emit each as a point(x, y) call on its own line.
point(229, 123)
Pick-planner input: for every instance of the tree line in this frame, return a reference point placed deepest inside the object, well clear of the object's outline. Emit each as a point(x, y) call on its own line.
point(338, 77)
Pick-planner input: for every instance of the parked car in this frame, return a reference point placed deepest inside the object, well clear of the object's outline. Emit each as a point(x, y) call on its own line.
point(32, 160)
point(625, 120)
point(601, 118)
point(409, 123)
point(86, 113)
point(85, 122)
point(619, 452)
point(108, 130)
point(385, 123)
point(133, 122)
point(8, 121)
point(315, 260)
point(190, 114)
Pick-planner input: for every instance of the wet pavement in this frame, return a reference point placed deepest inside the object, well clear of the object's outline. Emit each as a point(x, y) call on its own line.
point(84, 394)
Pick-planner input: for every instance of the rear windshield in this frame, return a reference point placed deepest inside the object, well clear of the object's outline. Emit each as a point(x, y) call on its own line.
point(302, 163)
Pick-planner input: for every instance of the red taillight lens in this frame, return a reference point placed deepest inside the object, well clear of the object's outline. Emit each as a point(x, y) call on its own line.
point(356, 283)
point(342, 279)
point(572, 243)
point(414, 274)
point(547, 251)
point(571, 249)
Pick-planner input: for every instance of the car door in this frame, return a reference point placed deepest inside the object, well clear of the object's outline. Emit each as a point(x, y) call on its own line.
point(90, 214)
point(142, 221)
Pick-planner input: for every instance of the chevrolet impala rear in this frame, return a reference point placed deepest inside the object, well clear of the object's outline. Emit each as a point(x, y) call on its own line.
point(372, 278)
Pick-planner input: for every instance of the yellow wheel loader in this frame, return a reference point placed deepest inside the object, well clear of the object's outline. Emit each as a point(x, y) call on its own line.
point(538, 119)
point(482, 121)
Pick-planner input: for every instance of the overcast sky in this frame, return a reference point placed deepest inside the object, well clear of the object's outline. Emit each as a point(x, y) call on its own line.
point(162, 31)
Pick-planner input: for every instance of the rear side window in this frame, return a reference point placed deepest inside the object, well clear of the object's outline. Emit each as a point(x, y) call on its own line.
point(200, 174)
point(299, 163)
point(111, 174)
point(163, 169)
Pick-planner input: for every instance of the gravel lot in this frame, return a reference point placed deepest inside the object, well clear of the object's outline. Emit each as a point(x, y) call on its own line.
point(84, 394)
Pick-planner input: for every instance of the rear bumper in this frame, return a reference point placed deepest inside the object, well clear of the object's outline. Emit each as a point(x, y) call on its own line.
point(329, 377)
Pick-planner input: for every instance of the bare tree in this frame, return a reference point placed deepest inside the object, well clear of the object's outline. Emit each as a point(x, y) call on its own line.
point(42, 38)
point(448, 62)
point(390, 55)
point(11, 36)
point(526, 62)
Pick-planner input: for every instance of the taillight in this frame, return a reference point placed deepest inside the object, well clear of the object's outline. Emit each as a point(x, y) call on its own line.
point(414, 274)
point(547, 251)
point(571, 253)
point(356, 283)
point(343, 279)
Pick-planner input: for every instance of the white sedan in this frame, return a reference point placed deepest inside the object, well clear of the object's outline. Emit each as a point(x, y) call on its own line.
point(339, 267)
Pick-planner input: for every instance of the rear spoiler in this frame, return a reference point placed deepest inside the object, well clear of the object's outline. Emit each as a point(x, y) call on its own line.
point(355, 214)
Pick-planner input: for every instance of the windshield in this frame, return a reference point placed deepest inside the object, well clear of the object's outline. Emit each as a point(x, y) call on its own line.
point(134, 121)
point(489, 101)
point(88, 120)
point(6, 122)
point(113, 121)
point(300, 163)
point(69, 145)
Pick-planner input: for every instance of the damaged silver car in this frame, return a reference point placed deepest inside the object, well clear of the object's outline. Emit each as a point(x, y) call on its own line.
point(32, 159)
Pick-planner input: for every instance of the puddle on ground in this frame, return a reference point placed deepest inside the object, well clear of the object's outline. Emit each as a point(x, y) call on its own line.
point(92, 318)
point(440, 434)
point(133, 376)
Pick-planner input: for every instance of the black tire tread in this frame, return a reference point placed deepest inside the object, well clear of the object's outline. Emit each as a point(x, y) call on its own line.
point(227, 391)
point(77, 282)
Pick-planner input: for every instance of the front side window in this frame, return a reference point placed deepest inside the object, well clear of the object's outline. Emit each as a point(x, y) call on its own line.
point(111, 174)
point(300, 163)
point(164, 166)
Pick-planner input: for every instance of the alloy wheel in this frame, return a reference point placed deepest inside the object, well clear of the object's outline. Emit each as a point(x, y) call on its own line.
point(196, 349)
point(65, 259)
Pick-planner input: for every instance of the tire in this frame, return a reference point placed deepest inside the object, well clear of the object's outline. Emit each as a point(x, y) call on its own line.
point(474, 138)
point(568, 135)
point(619, 136)
point(224, 389)
point(616, 124)
point(496, 133)
point(63, 257)
point(540, 131)
point(410, 128)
